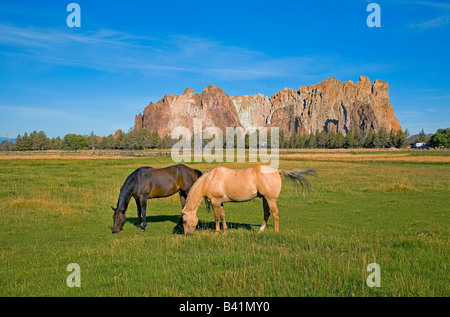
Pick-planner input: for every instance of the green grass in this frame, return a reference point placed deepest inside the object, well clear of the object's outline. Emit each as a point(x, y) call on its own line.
point(56, 211)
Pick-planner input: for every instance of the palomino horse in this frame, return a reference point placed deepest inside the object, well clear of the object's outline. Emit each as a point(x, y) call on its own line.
point(221, 185)
point(147, 182)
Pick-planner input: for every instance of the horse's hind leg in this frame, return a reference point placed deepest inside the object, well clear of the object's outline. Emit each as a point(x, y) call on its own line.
point(219, 214)
point(274, 209)
point(266, 214)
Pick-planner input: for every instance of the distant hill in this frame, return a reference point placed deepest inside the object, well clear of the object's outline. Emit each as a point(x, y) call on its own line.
point(414, 138)
point(13, 140)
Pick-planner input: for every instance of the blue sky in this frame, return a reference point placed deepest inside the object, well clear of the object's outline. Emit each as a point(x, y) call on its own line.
point(125, 54)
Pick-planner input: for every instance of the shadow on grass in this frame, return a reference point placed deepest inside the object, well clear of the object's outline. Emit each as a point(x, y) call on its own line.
point(202, 225)
point(152, 219)
point(211, 225)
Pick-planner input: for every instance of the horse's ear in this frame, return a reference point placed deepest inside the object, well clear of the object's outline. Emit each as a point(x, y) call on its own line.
point(114, 209)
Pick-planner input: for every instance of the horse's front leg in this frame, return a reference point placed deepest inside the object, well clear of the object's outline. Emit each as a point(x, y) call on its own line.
point(139, 212)
point(222, 216)
point(216, 208)
point(143, 203)
point(183, 196)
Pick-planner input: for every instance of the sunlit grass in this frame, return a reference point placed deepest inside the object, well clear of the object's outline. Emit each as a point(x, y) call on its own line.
point(56, 211)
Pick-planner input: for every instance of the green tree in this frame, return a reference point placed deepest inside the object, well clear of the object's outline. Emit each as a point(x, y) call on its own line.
point(392, 138)
point(291, 141)
point(166, 142)
point(143, 139)
point(355, 138)
point(155, 140)
point(300, 140)
point(422, 137)
point(339, 141)
point(120, 139)
point(400, 139)
point(108, 143)
point(330, 139)
point(407, 134)
point(283, 140)
point(382, 138)
point(311, 141)
point(55, 143)
point(321, 139)
point(131, 141)
point(92, 140)
point(441, 138)
point(361, 135)
point(19, 143)
point(6, 145)
point(75, 142)
point(371, 139)
point(351, 139)
point(41, 141)
point(32, 138)
point(24, 143)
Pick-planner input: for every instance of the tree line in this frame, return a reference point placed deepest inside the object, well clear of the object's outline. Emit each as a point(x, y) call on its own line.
point(133, 140)
point(143, 139)
point(355, 138)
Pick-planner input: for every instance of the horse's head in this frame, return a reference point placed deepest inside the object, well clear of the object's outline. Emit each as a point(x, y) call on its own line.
point(119, 220)
point(190, 221)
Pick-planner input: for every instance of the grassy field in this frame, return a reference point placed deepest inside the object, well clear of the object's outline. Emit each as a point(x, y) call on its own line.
point(366, 207)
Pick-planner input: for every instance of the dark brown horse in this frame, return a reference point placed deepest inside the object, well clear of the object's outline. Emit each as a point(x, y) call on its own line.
point(147, 182)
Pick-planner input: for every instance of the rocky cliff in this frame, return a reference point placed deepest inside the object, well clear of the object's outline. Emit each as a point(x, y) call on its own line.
point(331, 105)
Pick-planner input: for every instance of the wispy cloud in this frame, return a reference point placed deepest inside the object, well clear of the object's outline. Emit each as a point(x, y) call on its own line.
point(431, 24)
point(112, 51)
point(440, 8)
point(433, 4)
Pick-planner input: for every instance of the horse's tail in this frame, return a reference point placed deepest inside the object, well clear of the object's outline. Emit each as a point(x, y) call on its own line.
point(297, 175)
point(207, 202)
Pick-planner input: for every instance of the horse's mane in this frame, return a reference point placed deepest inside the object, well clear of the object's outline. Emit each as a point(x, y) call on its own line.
point(198, 183)
point(127, 190)
point(198, 173)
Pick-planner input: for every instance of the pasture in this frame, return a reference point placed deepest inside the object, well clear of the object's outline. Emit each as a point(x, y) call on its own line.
point(389, 208)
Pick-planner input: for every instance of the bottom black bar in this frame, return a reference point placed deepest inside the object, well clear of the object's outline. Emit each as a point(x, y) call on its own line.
point(214, 306)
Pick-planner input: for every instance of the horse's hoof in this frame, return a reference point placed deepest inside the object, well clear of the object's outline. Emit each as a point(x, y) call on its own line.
point(142, 229)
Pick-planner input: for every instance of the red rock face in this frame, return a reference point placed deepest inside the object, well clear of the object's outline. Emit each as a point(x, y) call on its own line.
point(331, 105)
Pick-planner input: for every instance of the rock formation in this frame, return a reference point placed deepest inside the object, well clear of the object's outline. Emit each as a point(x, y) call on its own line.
point(331, 105)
